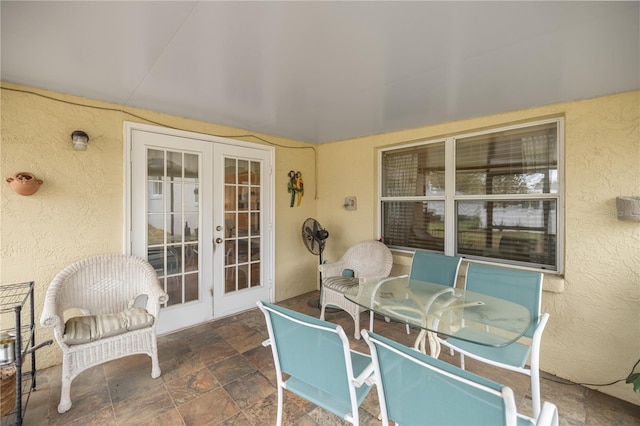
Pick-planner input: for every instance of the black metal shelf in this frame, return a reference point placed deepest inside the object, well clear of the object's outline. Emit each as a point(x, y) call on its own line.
point(14, 298)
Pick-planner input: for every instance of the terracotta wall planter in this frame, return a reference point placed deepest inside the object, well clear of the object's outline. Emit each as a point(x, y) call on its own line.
point(24, 183)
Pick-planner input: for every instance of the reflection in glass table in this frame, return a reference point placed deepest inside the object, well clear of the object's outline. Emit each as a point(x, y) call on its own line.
point(435, 308)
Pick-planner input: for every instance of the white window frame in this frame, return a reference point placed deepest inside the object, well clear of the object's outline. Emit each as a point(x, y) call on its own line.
point(450, 196)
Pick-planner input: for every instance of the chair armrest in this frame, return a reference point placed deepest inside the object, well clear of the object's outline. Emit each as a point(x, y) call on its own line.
point(49, 317)
point(364, 377)
point(332, 269)
point(548, 416)
point(156, 296)
point(52, 318)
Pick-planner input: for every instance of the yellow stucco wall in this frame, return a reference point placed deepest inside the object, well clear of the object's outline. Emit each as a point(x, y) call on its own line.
point(594, 332)
point(593, 335)
point(78, 211)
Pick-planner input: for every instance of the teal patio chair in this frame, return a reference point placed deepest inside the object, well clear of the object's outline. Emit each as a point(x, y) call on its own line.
point(524, 288)
point(417, 389)
point(321, 367)
point(432, 267)
point(435, 267)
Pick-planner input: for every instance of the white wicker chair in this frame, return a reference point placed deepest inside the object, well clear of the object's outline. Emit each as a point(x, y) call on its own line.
point(105, 284)
point(368, 259)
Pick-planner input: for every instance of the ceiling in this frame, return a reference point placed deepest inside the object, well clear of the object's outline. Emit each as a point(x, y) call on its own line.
point(324, 71)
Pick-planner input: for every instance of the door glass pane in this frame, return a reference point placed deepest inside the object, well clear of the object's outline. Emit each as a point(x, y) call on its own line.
point(243, 255)
point(255, 274)
point(191, 167)
point(191, 257)
point(155, 164)
point(229, 198)
point(230, 170)
point(174, 290)
point(191, 287)
point(174, 166)
point(255, 224)
point(255, 249)
point(155, 229)
point(243, 279)
point(242, 224)
point(243, 198)
point(243, 171)
point(155, 256)
point(230, 225)
point(230, 252)
point(173, 222)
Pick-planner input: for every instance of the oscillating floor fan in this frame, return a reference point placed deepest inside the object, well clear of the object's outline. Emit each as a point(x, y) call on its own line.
point(314, 237)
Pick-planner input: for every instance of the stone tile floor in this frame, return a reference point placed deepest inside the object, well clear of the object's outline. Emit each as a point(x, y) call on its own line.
point(218, 373)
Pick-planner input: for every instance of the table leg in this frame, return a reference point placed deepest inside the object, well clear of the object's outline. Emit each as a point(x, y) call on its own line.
point(434, 344)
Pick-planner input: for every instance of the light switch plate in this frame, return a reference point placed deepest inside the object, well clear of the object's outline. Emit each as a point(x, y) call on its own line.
point(351, 203)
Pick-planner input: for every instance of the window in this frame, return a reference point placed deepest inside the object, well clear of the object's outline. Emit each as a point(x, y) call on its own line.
point(492, 196)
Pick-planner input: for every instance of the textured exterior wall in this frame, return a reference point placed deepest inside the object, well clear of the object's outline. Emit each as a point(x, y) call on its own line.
point(593, 335)
point(78, 211)
point(594, 332)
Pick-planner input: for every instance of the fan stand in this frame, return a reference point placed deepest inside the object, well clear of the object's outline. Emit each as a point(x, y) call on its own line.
point(315, 302)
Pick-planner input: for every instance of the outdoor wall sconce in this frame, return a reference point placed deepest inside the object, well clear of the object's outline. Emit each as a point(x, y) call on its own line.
point(628, 208)
point(24, 183)
point(80, 140)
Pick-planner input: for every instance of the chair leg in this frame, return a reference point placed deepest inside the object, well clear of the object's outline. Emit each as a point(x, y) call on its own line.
point(279, 419)
point(323, 306)
point(155, 366)
point(65, 396)
point(535, 393)
point(65, 392)
point(356, 320)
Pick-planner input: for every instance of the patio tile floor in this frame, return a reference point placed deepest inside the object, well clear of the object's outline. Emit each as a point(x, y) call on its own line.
point(218, 373)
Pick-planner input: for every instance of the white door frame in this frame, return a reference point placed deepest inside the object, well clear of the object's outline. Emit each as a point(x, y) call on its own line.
point(269, 241)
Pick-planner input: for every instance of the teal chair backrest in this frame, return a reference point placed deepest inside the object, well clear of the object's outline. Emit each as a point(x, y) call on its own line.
point(435, 267)
point(522, 287)
point(310, 350)
point(421, 390)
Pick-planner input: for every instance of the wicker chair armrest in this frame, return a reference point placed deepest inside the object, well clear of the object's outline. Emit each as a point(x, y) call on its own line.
point(333, 269)
point(155, 294)
point(50, 317)
point(52, 313)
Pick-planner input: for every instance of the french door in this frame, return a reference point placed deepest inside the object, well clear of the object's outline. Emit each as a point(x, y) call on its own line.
point(200, 212)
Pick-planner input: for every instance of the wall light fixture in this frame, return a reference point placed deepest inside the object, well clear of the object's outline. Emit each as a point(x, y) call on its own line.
point(80, 140)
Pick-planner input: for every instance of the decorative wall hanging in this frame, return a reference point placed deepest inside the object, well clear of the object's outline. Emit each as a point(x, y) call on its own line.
point(24, 183)
point(295, 187)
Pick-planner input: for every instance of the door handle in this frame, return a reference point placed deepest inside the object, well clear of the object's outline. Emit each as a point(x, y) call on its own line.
point(219, 240)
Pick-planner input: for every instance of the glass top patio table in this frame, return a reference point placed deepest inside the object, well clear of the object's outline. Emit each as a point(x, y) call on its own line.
point(444, 310)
